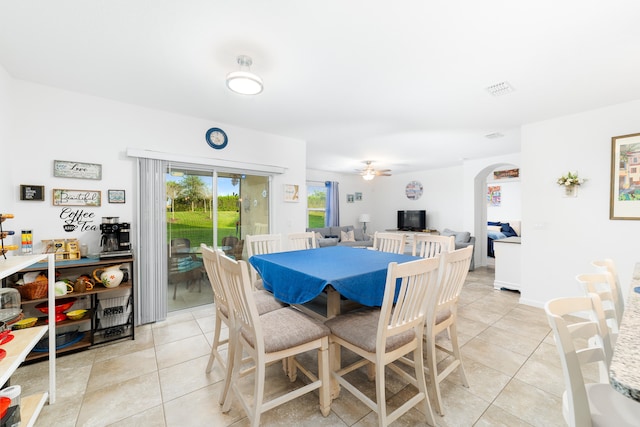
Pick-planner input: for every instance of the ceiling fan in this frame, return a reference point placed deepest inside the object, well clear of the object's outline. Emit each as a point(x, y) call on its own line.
point(368, 173)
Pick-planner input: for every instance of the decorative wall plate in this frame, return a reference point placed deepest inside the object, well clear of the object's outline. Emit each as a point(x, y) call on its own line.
point(413, 190)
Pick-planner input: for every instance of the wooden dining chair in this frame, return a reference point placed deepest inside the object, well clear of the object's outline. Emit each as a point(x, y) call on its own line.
point(278, 335)
point(581, 342)
point(430, 245)
point(384, 336)
point(389, 242)
point(265, 303)
point(302, 241)
point(260, 244)
point(184, 266)
point(609, 265)
point(604, 285)
point(443, 316)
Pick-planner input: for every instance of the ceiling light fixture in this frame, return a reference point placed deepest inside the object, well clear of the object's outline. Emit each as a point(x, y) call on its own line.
point(500, 89)
point(368, 175)
point(244, 81)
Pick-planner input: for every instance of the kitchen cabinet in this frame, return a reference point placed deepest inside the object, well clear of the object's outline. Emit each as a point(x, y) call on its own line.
point(110, 311)
point(26, 339)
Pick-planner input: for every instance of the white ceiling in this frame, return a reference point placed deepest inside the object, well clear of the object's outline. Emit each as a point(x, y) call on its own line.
point(402, 83)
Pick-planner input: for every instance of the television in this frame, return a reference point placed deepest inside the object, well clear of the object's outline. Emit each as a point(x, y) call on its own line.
point(412, 220)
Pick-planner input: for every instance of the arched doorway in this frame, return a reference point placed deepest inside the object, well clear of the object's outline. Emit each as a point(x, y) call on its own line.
point(480, 208)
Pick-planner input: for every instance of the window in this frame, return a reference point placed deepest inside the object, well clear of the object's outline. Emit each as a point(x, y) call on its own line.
point(316, 205)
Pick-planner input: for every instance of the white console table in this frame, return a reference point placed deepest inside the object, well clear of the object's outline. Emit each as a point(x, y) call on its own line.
point(508, 256)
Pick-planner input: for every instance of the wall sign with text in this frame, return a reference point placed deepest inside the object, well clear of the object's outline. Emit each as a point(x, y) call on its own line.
point(64, 197)
point(65, 169)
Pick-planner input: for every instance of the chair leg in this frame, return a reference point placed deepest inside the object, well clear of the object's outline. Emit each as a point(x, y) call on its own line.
point(324, 374)
point(231, 362)
point(258, 393)
point(453, 335)
point(233, 369)
point(432, 364)
point(422, 384)
point(216, 343)
point(380, 395)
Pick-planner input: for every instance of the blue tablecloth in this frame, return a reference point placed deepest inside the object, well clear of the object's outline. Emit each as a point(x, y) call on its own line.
point(297, 277)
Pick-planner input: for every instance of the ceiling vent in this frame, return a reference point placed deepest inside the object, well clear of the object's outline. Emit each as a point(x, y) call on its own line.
point(500, 89)
point(494, 135)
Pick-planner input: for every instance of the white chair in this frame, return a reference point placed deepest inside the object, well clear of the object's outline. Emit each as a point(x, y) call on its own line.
point(607, 264)
point(385, 335)
point(301, 241)
point(430, 246)
point(277, 335)
point(389, 242)
point(260, 244)
point(581, 342)
point(454, 267)
point(604, 285)
point(264, 301)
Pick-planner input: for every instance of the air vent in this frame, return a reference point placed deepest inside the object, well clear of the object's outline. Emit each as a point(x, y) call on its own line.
point(500, 89)
point(494, 135)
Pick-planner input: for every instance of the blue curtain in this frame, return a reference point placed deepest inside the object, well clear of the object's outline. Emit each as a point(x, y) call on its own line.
point(332, 217)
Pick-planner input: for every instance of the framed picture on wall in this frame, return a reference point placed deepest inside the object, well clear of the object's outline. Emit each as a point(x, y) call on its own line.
point(625, 176)
point(291, 193)
point(116, 196)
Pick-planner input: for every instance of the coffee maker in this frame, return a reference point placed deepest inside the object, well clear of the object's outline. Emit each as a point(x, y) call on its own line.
point(115, 239)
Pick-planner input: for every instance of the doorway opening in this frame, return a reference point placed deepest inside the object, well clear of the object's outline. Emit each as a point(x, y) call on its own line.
point(213, 207)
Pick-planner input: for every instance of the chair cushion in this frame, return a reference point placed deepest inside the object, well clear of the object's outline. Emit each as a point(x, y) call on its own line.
point(441, 316)
point(266, 302)
point(360, 328)
point(287, 328)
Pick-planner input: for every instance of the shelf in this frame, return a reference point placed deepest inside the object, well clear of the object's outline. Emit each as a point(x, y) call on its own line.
point(98, 289)
point(20, 263)
point(83, 262)
point(18, 349)
point(30, 407)
point(84, 343)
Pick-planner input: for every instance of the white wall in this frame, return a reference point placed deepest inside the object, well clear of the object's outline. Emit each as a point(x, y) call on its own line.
point(562, 235)
point(6, 145)
point(50, 124)
point(511, 201)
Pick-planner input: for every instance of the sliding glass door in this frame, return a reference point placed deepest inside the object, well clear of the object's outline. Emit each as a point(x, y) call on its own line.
point(217, 208)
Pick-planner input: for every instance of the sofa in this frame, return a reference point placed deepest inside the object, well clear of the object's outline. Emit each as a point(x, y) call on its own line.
point(332, 236)
point(462, 240)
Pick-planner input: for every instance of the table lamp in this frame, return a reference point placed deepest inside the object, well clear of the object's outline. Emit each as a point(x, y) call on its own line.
point(364, 219)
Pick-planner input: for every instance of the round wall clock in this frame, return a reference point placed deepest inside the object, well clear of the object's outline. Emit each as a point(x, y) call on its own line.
point(413, 190)
point(216, 138)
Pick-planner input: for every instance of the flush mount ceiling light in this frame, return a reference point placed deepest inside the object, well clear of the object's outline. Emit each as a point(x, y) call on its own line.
point(494, 135)
point(500, 89)
point(244, 81)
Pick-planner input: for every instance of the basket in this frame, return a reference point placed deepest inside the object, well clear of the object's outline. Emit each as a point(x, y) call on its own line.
point(33, 290)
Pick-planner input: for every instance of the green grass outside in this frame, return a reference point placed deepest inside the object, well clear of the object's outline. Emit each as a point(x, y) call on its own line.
point(198, 226)
point(316, 219)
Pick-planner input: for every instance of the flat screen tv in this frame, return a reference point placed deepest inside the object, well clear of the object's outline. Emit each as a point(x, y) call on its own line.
point(412, 220)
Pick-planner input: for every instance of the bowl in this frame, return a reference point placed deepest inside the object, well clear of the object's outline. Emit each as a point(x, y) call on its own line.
point(61, 305)
point(25, 323)
point(76, 314)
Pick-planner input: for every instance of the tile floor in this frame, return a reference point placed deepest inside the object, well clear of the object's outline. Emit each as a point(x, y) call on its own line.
point(159, 379)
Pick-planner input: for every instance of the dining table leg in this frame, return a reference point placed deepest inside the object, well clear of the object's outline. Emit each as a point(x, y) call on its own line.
point(333, 309)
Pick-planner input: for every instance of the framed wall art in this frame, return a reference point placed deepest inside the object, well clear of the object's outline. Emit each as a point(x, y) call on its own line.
point(66, 169)
point(358, 197)
point(64, 197)
point(116, 196)
point(625, 177)
point(291, 193)
point(350, 198)
point(32, 192)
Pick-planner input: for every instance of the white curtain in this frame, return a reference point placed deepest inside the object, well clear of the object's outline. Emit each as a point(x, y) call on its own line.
point(332, 218)
point(151, 300)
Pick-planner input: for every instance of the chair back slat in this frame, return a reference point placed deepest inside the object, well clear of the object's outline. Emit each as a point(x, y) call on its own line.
point(414, 283)
point(235, 279)
point(302, 241)
point(454, 267)
point(430, 246)
point(604, 285)
point(212, 267)
point(389, 242)
point(260, 244)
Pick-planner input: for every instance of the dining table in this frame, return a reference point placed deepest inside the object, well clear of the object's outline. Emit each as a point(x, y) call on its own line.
point(298, 277)
point(624, 371)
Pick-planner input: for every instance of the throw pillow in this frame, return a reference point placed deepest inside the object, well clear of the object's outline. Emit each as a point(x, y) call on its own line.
point(347, 236)
point(494, 223)
point(494, 228)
